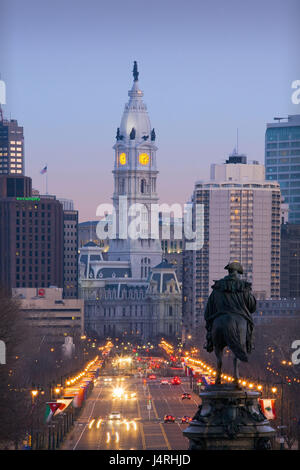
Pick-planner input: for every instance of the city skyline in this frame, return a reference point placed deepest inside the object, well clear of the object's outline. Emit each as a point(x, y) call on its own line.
point(68, 89)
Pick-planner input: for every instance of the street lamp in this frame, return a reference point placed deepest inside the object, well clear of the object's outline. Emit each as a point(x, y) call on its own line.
point(34, 393)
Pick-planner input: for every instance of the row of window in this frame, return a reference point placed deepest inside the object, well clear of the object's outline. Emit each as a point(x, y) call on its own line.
point(283, 133)
point(30, 277)
point(284, 176)
point(282, 145)
point(272, 169)
point(30, 269)
point(282, 153)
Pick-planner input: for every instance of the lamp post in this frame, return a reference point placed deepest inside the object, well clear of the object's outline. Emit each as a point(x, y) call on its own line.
point(34, 393)
point(274, 390)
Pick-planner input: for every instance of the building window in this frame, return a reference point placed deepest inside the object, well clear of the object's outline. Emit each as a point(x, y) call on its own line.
point(143, 186)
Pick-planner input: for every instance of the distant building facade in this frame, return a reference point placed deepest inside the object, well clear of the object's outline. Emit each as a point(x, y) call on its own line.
point(12, 153)
point(172, 247)
point(116, 307)
point(70, 253)
point(290, 261)
point(31, 236)
point(49, 314)
point(270, 309)
point(282, 161)
point(241, 222)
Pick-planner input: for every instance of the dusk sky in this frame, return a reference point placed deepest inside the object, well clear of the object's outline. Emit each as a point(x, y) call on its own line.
point(206, 69)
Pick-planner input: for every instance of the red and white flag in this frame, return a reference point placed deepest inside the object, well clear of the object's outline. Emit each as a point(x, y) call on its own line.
point(63, 404)
point(268, 407)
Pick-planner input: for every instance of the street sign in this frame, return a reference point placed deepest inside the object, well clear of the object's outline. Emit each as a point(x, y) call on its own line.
point(149, 406)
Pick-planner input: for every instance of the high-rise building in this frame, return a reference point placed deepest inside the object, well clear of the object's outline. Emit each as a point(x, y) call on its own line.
point(282, 160)
point(12, 157)
point(290, 261)
point(70, 254)
point(31, 236)
point(15, 186)
point(241, 222)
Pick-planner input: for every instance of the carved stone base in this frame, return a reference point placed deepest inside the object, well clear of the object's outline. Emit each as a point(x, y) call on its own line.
point(229, 418)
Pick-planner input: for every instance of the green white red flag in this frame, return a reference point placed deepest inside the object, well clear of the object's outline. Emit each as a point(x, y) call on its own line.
point(268, 407)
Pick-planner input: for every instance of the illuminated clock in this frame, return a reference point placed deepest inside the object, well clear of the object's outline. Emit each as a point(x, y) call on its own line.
point(122, 158)
point(144, 158)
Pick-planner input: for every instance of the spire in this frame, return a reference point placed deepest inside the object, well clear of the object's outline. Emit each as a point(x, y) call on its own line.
point(135, 71)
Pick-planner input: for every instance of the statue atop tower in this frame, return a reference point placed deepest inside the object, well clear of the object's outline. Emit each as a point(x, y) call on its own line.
point(135, 71)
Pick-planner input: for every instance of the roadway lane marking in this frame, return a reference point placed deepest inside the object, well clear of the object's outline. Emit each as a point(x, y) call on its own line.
point(88, 420)
point(161, 427)
point(141, 424)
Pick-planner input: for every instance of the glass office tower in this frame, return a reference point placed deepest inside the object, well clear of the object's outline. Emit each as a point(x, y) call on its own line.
point(282, 161)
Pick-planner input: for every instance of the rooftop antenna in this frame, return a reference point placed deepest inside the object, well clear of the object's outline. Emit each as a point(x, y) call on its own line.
point(237, 140)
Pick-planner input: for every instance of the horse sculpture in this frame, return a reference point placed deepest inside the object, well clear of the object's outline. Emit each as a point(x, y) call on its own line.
point(228, 318)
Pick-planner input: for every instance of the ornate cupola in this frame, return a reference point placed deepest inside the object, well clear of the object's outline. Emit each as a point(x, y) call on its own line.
point(135, 139)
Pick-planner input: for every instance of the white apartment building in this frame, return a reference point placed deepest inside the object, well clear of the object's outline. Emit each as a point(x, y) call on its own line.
point(241, 222)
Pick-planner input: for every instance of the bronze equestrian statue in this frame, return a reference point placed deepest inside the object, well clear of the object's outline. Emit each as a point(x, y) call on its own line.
point(228, 318)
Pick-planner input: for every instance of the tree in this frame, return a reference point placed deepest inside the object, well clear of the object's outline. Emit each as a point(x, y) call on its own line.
point(15, 402)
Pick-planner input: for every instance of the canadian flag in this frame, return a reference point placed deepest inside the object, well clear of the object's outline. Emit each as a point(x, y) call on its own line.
point(268, 407)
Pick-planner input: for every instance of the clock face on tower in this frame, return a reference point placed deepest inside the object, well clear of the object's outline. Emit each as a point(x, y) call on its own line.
point(144, 158)
point(122, 158)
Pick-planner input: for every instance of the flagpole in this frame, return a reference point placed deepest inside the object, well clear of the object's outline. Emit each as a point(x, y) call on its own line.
point(47, 179)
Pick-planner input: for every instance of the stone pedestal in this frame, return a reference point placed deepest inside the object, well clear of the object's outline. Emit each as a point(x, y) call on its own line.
point(229, 418)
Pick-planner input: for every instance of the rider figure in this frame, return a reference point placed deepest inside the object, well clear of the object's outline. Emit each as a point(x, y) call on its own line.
point(230, 295)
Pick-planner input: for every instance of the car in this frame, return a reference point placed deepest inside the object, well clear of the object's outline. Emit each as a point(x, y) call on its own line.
point(186, 395)
point(115, 415)
point(164, 382)
point(152, 377)
point(169, 419)
point(176, 381)
point(186, 419)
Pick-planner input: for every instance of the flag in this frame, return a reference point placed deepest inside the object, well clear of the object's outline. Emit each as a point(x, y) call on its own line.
point(268, 407)
point(78, 399)
point(63, 405)
point(51, 408)
point(44, 170)
point(204, 381)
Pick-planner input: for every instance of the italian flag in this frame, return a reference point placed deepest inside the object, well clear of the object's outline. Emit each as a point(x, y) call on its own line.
point(268, 407)
point(51, 408)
